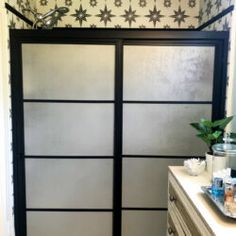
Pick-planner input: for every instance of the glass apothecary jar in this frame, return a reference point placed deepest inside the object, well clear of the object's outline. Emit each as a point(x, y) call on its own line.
point(224, 156)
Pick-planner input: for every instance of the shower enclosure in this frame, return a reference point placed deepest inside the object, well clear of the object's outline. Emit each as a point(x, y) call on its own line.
point(98, 115)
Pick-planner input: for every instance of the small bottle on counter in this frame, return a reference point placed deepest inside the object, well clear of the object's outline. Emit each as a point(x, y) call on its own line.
point(229, 193)
point(230, 196)
point(232, 205)
point(234, 188)
point(217, 188)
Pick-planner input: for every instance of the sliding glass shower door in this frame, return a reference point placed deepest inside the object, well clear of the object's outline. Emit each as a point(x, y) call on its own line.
point(165, 88)
point(68, 95)
point(97, 120)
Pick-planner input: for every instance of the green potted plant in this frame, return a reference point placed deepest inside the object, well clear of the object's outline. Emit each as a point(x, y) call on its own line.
point(212, 132)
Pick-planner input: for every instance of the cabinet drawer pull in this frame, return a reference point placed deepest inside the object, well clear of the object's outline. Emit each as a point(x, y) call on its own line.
point(171, 231)
point(172, 198)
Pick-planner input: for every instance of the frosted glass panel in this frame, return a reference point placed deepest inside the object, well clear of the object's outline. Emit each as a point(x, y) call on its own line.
point(68, 129)
point(140, 223)
point(168, 73)
point(162, 129)
point(145, 181)
point(69, 183)
point(54, 71)
point(69, 224)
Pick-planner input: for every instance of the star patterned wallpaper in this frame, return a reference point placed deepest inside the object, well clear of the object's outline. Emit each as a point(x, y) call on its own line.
point(211, 8)
point(122, 14)
point(223, 24)
point(13, 22)
point(128, 13)
point(19, 5)
point(125, 13)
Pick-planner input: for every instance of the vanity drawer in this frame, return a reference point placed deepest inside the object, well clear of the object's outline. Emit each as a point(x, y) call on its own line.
point(175, 203)
point(174, 228)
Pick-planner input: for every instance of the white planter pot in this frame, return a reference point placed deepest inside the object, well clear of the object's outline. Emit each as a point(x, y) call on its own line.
point(209, 159)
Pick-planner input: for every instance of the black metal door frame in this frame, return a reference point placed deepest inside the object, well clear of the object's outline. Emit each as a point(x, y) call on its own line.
point(119, 38)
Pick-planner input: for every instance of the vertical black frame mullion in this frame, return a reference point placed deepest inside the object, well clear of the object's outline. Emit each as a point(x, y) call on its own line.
point(220, 81)
point(117, 171)
point(18, 138)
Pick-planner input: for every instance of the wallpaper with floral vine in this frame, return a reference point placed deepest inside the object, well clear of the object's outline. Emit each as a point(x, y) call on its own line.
point(125, 13)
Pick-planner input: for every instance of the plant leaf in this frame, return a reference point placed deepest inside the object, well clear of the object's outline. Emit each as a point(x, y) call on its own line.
point(207, 123)
point(200, 127)
point(205, 139)
point(217, 134)
point(196, 126)
point(211, 137)
point(223, 122)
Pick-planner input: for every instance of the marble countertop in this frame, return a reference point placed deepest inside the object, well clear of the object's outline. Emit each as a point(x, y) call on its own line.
point(191, 185)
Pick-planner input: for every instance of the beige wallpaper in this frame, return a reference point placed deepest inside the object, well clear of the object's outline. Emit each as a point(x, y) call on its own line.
point(223, 24)
point(119, 13)
point(126, 13)
point(11, 22)
point(19, 5)
point(209, 8)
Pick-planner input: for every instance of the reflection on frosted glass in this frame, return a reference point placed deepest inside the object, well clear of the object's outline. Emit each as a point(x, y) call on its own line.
point(145, 181)
point(69, 224)
point(69, 183)
point(162, 129)
point(140, 223)
point(68, 129)
point(168, 73)
point(56, 71)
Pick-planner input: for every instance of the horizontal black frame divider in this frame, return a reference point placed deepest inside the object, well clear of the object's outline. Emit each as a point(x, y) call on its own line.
point(119, 38)
point(112, 157)
point(168, 102)
point(111, 101)
point(70, 209)
point(144, 208)
point(66, 101)
point(97, 209)
point(109, 35)
point(160, 156)
point(67, 157)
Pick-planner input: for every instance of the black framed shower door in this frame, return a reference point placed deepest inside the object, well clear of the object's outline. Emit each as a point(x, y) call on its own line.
point(88, 106)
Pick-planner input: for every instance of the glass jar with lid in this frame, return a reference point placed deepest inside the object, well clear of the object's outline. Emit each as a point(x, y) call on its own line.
point(224, 155)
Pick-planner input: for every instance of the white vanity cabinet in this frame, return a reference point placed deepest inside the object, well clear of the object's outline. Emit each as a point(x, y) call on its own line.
point(190, 213)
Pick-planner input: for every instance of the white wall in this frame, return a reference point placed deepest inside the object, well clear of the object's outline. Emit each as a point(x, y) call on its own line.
point(6, 217)
point(231, 91)
point(3, 223)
